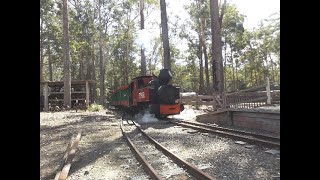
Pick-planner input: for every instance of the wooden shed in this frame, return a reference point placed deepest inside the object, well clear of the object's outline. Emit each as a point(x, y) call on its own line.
point(52, 93)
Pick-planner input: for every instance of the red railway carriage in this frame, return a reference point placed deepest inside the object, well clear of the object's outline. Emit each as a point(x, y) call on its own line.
point(140, 90)
point(135, 94)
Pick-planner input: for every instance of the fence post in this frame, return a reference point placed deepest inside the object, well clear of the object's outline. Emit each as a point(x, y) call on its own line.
point(225, 106)
point(268, 92)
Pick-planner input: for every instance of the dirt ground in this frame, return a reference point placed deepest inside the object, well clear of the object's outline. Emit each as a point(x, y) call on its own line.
point(98, 151)
point(104, 154)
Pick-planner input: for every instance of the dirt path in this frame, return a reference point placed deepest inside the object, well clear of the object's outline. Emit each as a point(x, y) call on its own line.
point(102, 151)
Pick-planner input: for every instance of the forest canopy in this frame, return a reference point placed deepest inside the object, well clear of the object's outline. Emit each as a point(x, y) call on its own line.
point(109, 34)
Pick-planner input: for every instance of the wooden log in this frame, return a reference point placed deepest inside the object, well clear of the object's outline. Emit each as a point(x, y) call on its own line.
point(63, 174)
point(57, 175)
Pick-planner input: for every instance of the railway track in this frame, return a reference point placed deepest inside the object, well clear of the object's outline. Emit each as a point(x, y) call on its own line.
point(231, 133)
point(161, 164)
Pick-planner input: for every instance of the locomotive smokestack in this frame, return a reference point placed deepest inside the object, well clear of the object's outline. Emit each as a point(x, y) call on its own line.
point(164, 76)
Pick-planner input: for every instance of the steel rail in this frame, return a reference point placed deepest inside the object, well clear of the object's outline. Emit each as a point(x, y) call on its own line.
point(197, 173)
point(230, 135)
point(260, 136)
point(139, 156)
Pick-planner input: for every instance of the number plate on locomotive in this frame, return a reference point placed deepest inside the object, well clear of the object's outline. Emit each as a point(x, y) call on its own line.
point(141, 95)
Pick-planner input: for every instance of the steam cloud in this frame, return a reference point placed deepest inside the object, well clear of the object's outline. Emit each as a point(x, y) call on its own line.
point(146, 118)
point(143, 40)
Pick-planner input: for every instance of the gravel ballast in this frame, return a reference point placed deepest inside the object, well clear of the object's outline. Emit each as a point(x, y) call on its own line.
point(104, 154)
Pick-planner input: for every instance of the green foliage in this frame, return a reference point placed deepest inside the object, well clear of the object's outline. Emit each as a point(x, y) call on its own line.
point(95, 107)
point(251, 55)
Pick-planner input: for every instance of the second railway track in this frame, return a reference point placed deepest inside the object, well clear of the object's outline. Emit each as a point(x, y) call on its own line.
point(231, 133)
point(158, 162)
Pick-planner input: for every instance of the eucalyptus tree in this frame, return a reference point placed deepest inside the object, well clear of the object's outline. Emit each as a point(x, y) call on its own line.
point(143, 57)
point(66, 57)
point(269, 35)
point(195, 34)
point(84, 34)
point(216, 50)
point(46, 7)
point(105, 10)
point(164, 35)
point(232, 30)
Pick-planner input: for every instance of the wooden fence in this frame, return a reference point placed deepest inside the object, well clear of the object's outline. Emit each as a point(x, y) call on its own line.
point(248, 98)
point(197, 100)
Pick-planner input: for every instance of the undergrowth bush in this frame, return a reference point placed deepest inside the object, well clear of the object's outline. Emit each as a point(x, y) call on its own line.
point(95, 107)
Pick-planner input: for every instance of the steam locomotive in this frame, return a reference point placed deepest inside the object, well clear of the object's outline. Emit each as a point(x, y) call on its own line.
point(153, 93)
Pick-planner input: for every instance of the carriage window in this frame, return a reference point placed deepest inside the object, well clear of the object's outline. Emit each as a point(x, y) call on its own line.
point(141, 83)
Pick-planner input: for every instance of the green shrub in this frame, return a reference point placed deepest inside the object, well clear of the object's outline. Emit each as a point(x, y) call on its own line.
point(95, 107)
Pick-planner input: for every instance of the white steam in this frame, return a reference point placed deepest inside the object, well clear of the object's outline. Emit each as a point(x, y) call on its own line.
point(188, 114)
point(145, 118)
point(144, 40)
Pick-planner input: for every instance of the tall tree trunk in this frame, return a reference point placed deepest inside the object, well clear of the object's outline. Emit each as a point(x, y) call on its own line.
point(143, 63)
point(206, 65)
point(81, 68)
point(251, 76)
point(50, 62)
point(41, 51)
point(236, 82)
point(222, 12)
point(102, 68)
point(164, 35)
point(201, 84)
point(232, 66)
point(143, 57)
point(150, 65)
point(66, 69)
point(204, 47)
point(102, 72)
point(225, 63)
point(272, 70)
point(255, 77)
point(265, 71)
point(93, 76)
point(245, 75)
point(213, 68)
point(88, 65)
point(216, 47)
point(200, 51)
point(126, 60)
